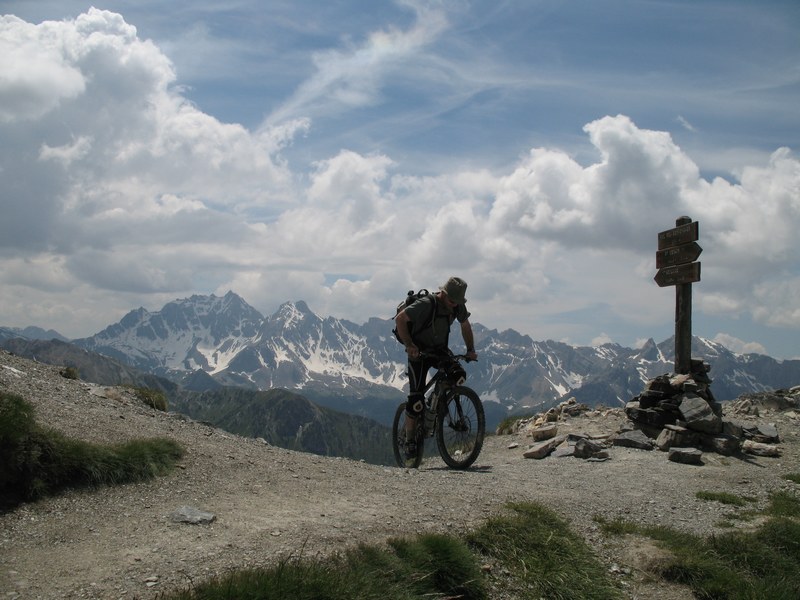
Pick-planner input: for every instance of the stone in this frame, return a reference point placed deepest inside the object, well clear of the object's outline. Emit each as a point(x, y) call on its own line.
point(676, 435)
point(189, 514)
point(545, 432)
point(686, 456)
point(727, 445)
point(654, 417)
point(732, 428)
point(585, 448)
point(766, 433)
point(564, 450)
point(760, 449)
point(633, 439)
point(542, 449)
point(698, 414)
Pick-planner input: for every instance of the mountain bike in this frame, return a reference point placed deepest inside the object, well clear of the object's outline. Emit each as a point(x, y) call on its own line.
point(453, 413)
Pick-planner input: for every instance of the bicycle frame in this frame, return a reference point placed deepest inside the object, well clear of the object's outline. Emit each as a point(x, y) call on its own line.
point(452, 413)
point(436, 390)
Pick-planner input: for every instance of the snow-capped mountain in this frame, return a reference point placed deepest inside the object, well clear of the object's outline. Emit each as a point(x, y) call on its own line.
point(329, 358)
point(201, 332)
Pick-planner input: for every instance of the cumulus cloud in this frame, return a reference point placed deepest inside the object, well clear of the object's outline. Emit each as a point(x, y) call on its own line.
point(103, 136)
point(115, 185)
point(734, 344)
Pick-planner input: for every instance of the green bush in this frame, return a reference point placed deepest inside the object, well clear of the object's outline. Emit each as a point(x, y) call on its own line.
point(70, 373)
point(509, 424)
point(36, 461)
point(153, 398)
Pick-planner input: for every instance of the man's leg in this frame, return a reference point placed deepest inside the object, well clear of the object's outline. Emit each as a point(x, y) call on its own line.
point(417, 374)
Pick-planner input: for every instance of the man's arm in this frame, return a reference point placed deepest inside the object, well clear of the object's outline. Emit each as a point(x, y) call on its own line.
point(402, 321)
point(469, 340)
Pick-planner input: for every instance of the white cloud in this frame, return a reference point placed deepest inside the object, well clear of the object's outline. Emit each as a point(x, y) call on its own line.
point(601, 339)
point(35, 74)
point(685, 124)
point(734, 344)
point(116, 186)
point(353, 77)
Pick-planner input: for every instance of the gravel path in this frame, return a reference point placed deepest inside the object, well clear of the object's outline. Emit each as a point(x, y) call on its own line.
point(271, 503)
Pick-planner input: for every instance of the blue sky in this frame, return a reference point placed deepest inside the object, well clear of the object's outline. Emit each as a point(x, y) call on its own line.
point(343, 152)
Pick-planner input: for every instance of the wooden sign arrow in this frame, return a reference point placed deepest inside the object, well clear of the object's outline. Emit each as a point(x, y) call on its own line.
point(678, 274)
point(678, 255)
point(683, 234)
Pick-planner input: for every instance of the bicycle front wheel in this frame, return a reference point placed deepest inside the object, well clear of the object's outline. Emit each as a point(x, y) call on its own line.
point(461, 428)
point(407, 452)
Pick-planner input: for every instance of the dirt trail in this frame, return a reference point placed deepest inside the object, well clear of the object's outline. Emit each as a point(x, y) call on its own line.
point(271, 503)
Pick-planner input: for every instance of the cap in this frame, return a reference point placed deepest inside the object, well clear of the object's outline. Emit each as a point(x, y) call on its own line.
point(455, 288)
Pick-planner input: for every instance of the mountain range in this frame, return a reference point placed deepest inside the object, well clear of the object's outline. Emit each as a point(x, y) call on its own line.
point(204, 342)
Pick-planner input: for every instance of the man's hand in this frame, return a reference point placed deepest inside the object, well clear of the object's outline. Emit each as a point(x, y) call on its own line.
point(471, 355)
point(412, 351)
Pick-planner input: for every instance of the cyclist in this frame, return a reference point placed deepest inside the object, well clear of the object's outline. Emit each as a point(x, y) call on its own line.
point(424, 327)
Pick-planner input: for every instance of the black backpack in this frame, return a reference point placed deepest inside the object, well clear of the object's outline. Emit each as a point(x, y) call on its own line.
point(412, 297)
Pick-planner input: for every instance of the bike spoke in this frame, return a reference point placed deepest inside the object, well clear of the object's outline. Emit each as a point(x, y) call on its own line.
point(462, 429)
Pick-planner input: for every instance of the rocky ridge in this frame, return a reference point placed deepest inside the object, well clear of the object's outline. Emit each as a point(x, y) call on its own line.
point(269, 503)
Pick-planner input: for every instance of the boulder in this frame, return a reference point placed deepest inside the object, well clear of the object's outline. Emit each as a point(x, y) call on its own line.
point(759, 449)
point(675, 435)
point(585, 448)
point(765, 433)
point(727, 445)
point(194, 516)
point(544, 432)
point(699, 415)
point(633, 439)
point(542, 449)
point(686, 456)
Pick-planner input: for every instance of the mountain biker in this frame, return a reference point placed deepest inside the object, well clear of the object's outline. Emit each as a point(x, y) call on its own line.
point(423, 336)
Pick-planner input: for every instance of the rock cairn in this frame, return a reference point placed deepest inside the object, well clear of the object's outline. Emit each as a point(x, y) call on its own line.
point(676, 413)
point(680, 413)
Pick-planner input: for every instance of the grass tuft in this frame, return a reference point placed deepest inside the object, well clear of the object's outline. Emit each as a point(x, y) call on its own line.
point(37, 461)
point(724, 498)
point(764, 563)
point(428, 566)
point(545, 558)
point(532, 543)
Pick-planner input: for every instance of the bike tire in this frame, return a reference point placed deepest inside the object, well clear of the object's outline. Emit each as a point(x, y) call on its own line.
point(460, 428)
point(399, 441)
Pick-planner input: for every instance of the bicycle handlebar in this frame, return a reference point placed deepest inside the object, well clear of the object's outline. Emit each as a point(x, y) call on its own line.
point(433, 355)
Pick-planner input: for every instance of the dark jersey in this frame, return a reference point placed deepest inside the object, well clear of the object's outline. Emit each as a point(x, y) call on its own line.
point(433, 335)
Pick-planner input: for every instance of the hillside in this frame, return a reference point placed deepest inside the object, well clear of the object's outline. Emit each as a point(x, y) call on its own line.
point(280, 417)
point(270, 503)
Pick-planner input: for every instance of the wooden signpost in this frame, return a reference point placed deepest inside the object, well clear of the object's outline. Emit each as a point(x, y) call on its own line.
point(675, 260)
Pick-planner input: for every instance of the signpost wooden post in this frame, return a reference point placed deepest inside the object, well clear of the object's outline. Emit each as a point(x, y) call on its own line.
point(677, 251)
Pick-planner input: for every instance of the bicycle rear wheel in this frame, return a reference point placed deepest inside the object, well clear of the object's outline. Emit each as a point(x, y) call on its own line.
point(461, 428)
point(400, 444)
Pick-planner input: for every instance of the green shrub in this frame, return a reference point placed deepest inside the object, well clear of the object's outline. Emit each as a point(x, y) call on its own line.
point(794, 477)
point(36, 461)
point(509, 424)
point(153, 398)
point(70, 373)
